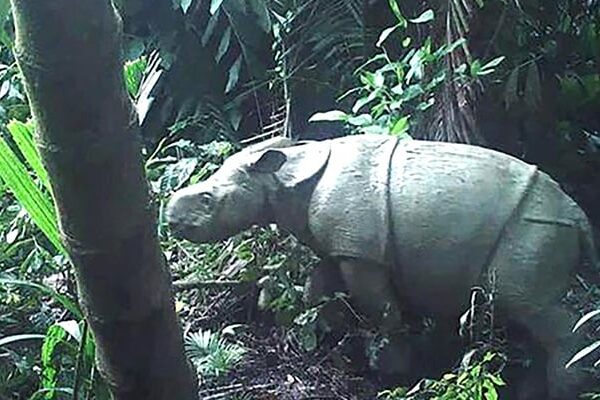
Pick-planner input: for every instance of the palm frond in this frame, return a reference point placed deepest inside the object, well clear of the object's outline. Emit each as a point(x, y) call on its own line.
point(453, 117)
point(211, 353)
point(318, 45)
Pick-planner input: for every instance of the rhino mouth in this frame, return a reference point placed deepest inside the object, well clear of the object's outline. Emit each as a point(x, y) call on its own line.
point(196, 234)
point(190, 232)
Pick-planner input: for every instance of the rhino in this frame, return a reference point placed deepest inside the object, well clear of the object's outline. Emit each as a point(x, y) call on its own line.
point(412, 225)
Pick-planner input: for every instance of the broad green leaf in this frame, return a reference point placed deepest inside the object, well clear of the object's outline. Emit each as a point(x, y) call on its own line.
point(66, 302)
point(475, 68)
point(334, 115)
point(133, 71)
point(585, 319)
point(19, 338)
point(423, 18)
point(583, 353)
point(214, 5)
point(400, 127)
point(490, 392)
point(367, 78)
point(38, 205)
point(497, 380)
point(385, 34)
point(22, 134)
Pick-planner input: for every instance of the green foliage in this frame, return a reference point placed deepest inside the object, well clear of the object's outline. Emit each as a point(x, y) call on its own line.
point(133, 72)
point(35, 199)
point(53, 338)
point(478, 381)
point(396, 93)
point(212, 353)
point(5, 39)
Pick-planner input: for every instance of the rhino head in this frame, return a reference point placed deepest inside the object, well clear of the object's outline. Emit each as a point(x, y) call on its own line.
point(240, 194)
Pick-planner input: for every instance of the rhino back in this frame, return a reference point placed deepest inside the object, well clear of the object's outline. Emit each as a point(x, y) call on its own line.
point(449, 206)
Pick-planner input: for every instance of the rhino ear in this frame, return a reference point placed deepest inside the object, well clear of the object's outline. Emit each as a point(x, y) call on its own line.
point(303, 162)
point(269, 161)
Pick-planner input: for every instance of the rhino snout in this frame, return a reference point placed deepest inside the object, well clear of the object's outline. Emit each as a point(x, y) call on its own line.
point(180, 213)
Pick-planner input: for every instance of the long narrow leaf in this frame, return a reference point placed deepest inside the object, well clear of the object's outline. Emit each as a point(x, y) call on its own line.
point(38, 205)
point(22, 134)
point(583, 353)
point(19, 338)
point(585, 319)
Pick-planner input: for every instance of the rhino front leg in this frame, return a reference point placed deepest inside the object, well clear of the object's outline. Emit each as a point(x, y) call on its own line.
point(372, 291)
point(323, 283)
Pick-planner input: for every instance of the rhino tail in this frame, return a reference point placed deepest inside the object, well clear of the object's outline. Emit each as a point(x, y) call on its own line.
point(588, 247)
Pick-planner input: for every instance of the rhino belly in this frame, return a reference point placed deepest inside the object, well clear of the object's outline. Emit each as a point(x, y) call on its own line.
point(449, 205)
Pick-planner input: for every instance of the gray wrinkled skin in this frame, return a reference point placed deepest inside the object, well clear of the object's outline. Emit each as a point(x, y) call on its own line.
point(412, 224)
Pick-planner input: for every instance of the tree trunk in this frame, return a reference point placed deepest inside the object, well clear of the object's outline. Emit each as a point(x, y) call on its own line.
point(69, 53)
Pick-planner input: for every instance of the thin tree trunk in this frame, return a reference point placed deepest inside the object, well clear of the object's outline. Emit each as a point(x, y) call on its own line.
point(69, 53)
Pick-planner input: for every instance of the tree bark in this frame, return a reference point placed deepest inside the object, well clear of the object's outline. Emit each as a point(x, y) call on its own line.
point(69, 52)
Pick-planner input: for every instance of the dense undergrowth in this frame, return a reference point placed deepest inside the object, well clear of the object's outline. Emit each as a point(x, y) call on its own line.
point(249, 331)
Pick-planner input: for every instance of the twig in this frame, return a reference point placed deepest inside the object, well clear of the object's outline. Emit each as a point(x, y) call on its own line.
point(200, 284)
point(225, 392)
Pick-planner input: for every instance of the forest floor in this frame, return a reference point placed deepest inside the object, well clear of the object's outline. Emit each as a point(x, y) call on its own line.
point(276, 364)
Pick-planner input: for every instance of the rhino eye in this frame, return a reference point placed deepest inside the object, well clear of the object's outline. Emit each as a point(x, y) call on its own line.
point(205, 199)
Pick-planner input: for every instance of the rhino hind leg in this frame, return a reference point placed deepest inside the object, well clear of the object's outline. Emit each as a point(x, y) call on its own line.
point(531, 271)
point(551, 329)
